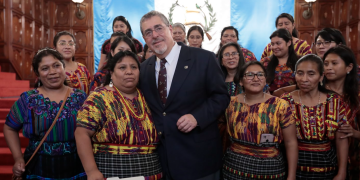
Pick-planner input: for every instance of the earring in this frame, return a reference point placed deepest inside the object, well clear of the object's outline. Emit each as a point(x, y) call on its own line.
point(321, 83)
point(39, 84)
point(348, 72)
point(111, 83)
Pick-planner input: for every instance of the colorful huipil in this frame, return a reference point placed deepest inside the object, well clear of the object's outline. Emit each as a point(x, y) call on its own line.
point(247, 157)
point(124, 133)
point(79, 79)
point(248, 55)
point(315, 129)
point(354, 144)
point(301, 48)
point(233, 89)
point(57, 157)
point(99, 79)
point(284, 76)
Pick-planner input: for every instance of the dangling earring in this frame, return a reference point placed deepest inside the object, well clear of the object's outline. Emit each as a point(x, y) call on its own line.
point(39, 84)
point(321, 84)
point(111, 83)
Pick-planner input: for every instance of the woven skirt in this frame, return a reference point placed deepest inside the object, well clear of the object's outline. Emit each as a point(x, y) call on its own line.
point(64, 167)
point(239, 166)
point(317, 164)
point(129, 165)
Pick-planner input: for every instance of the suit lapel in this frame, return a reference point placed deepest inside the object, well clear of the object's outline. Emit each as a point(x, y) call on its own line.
point(183, 67)
point(152, 80)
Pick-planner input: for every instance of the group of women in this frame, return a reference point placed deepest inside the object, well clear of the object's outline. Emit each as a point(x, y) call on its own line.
point(292, 115)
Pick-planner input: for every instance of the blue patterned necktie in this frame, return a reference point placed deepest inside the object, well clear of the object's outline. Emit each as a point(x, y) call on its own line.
point(162, 81)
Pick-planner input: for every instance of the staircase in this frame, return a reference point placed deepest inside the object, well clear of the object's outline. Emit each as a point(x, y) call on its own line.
point(10, 89)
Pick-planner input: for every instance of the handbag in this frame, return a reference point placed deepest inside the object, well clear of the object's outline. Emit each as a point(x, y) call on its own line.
point(46, 134)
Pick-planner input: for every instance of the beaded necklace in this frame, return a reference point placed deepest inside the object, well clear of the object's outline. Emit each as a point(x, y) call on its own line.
point(309, 122)
point(130, 107)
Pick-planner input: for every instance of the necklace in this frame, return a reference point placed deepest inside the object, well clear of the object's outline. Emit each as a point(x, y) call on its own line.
point(300, 97)
point(310, 120)
point(245, 97)
point(130, 107)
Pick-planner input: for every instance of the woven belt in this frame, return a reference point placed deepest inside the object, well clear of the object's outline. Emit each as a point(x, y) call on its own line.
point(122, 149)
point(314, 147)
point(261, 152)
point(315, 169)
point(243, 174)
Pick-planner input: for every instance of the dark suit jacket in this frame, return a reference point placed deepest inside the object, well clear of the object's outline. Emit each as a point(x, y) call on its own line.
point(197, 88)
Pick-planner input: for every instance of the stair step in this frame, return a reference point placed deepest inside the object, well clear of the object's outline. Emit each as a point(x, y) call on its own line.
point(2, 123)
point(6, 156)
point(6, 83)
point(8, 102)
point(6, 172)
point(11, 91)
point(7, 76)
point(4, 112)
point(24, 142)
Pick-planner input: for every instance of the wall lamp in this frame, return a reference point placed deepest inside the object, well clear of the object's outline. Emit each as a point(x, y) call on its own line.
point(80, 14)
point(308, 13)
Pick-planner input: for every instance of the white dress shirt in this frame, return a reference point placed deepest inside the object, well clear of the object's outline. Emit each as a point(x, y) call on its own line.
point(170, 65)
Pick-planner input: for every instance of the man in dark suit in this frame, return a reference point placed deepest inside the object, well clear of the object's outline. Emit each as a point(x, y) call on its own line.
point(185, 90)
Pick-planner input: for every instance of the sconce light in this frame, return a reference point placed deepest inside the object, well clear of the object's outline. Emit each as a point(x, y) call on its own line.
point(308, 13)
point(80, 14)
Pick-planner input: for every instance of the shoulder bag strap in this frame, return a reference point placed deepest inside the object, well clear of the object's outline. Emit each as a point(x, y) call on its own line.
point(52, 125)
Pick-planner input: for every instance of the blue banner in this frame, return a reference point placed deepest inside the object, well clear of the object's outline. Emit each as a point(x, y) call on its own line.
point(104, 13)
point(255, 21)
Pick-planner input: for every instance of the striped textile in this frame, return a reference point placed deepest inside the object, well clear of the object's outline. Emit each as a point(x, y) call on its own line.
point(247, 123)
point(284, 75)
point(50, 167)
point(233, 89)
point(99, 79)
point(301, 48)
point(320, 122)
point(315, 127)
point(79, 79)
point(241, 166)
point(317, 164)
point(104, 113)
point(124, 166)
point(248, 55)
point(57, 157)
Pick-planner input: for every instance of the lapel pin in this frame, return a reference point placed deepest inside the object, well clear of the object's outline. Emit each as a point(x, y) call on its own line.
point(185, 67)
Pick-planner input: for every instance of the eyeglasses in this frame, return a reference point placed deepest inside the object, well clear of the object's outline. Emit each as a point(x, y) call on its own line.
point(158, 29)
point(233, 54)
point(251, 76)
point(325, 43)
point(65, 43)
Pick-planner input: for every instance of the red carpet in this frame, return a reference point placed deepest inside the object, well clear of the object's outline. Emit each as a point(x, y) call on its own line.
point(10, 89)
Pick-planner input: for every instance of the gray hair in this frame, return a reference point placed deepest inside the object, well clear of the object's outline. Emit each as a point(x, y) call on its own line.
point(180, 25)
point(152, 14)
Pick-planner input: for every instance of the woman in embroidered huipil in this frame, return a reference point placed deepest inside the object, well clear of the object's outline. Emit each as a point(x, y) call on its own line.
point(257, 123)
point(118, 43)
point(280, 65)
point(115, 132)
point(34, 112)
point(230, 34)
point(318, 114)
point(120, 24)
point(341, 77)
point(77, 74)
point(286, 21)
